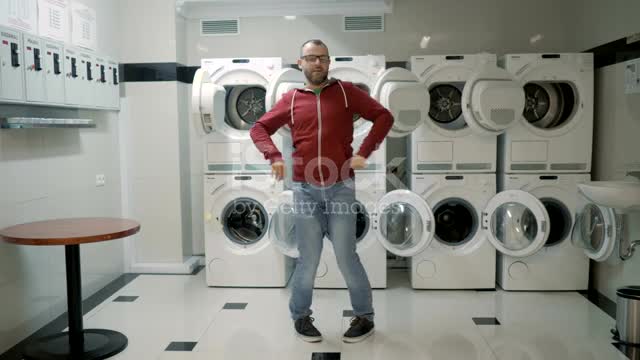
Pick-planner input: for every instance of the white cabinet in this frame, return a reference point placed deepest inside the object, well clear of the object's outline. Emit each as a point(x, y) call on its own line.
point(113, 79)
point(39, 71)
point(11, 66)
point(54, 72)
point(34, 69)
point(73, 81)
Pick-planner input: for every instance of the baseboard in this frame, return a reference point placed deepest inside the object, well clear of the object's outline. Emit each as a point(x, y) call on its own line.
point(601, 301)
point(188, 266)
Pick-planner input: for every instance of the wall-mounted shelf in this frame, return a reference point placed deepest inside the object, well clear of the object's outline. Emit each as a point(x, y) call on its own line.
point(33, 123)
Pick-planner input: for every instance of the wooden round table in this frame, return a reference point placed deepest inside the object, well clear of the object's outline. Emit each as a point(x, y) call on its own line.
point(77, 343)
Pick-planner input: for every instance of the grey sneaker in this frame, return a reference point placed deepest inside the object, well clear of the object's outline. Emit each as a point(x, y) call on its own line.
point(306, 331)
point(360, 329)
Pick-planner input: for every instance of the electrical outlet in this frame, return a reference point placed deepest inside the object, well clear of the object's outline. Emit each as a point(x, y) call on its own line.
point(100, 180)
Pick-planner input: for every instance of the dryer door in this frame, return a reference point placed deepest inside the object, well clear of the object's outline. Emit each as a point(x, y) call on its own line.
point(402, 93)
point(282, 82)
point(281, 231)
point(207, 101)
point(516, 223)
point(596, 231)
point(404, 223)
point(492, 101)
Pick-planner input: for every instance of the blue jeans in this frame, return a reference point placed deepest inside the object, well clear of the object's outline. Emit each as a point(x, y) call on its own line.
point(319, 211)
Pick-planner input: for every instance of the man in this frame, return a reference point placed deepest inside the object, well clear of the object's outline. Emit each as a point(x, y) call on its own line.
point(320, 117)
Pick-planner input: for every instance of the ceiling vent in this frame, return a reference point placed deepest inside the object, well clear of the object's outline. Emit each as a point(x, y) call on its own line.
point(364, 23)
point(219, 27)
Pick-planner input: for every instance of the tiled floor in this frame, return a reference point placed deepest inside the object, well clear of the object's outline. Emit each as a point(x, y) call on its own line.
point(178, 317)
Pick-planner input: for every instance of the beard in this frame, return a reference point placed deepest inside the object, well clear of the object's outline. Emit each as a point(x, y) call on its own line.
point(315, 77)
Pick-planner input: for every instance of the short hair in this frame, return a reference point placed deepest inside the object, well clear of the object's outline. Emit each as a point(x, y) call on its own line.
point(314, 42)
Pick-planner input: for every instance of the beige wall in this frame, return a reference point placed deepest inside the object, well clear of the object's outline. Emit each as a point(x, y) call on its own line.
point(463, 26)
point(616, 151)
point(598, 22)
point(617, 119)
point(156, 151)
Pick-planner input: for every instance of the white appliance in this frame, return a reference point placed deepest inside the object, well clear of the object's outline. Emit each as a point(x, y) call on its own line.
point(241, 249)
point(471, 102)
point(228, 97)
point(556, 263)
point(460, 256)
point(370, 187)
point(554, 133)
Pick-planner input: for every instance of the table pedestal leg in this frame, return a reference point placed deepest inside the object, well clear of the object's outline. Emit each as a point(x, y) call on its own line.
point(77, 343)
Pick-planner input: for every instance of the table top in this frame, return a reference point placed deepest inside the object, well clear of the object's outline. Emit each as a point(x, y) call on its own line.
point(72, 231)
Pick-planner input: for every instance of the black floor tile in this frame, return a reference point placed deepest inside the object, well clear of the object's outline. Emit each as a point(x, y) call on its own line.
point(325, 356)
point(181, 346)
point(235, 306)
point(486, 321)
point(125, 299)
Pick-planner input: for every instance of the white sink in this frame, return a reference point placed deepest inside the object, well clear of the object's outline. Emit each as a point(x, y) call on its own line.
point(620, 195)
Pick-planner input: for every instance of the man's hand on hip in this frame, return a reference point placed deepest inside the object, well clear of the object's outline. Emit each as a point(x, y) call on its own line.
point(277, 170)
point(358, 162)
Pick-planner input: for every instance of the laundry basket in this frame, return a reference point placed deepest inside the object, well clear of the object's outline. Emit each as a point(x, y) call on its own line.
point(628, 315)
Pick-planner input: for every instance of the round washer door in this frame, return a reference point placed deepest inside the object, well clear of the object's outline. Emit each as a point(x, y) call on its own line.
point(404, 222)
point(516, 223)
point(281, 230)
point(596, 231)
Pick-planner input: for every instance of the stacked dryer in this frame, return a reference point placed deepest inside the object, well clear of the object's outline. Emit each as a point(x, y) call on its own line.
point(452, 159)
point(545, 155)
point(240, 195)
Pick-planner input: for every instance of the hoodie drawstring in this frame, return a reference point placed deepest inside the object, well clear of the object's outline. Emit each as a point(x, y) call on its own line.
point(346, 103)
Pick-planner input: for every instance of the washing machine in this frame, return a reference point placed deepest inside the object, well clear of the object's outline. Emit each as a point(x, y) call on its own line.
point(556, 263)
point(241, 249)
point(370, 187)
point(554, 133)
point(460, 256)
point(228, 97)
point(472, 101)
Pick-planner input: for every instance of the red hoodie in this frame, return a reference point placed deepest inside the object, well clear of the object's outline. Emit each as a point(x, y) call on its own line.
point(322, 130)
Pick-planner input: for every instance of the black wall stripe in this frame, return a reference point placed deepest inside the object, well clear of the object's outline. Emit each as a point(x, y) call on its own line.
point(615, 52)
point(149, 72)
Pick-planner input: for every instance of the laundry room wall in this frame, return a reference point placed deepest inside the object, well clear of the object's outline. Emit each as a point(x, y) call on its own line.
point(465, 26)
point(47, 174)
point(156, 152)
point(616, 148)
point(594, 22)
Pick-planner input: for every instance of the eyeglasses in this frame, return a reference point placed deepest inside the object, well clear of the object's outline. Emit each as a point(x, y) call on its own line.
point(313, 58)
